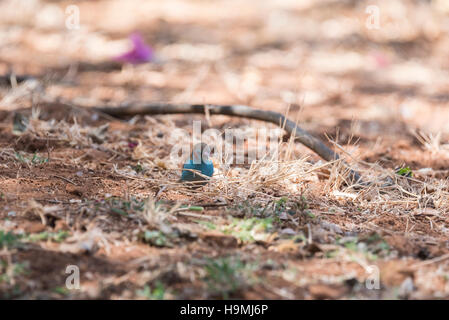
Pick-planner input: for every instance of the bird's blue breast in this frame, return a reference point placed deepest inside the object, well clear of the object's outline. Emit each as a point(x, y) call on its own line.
point(205, 167)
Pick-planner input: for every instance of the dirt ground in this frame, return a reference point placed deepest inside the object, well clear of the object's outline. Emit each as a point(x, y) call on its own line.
point(80, 188)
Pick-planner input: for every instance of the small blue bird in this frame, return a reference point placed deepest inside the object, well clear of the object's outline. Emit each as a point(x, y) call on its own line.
point(199, 161)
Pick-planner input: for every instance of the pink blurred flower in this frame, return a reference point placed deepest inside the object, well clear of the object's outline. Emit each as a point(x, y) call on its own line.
point(140, 53)
point(132, 145)
point(381, 60)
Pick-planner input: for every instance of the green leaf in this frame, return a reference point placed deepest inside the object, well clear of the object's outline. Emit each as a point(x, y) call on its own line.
point(193, 208)
point(119, 211)
point(405, 172)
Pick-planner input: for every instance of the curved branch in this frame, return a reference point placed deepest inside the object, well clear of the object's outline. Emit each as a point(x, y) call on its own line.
point(231, 110)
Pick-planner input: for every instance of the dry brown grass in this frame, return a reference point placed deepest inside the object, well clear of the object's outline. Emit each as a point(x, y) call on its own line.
point(83, 188)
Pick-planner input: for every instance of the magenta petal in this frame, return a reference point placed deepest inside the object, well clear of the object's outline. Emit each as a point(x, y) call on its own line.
point(140, 52)
point(132, 145)
point(381, 60)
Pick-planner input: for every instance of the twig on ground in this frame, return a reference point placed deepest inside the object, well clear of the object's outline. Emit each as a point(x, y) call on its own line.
point(194, 215)
point(231, 110)
point(65, 179)
point(431, 261)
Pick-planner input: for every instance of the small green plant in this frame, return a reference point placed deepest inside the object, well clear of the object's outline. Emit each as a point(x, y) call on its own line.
point(377, 245)
point(247, 209)
point(331, 254)
point(9, 240)
point(123, 207)
point(281, 202)
point(405, 172)
point(291, 206)
point(279, 206)
point(9, 271)
point(207, 224)
point(245, 229)
point(138, 168)
point(45, 236)
point(226, 276)
point(351, 244)
point(63, 291)
point(34, 159)
point(157, 238)
point(272, 209)
point(371, 246)
point(157, 293)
